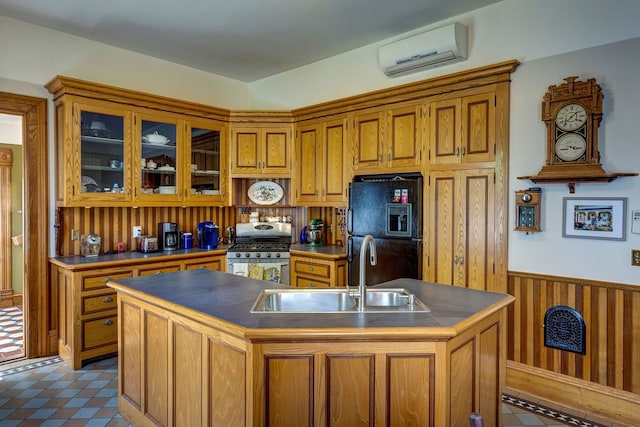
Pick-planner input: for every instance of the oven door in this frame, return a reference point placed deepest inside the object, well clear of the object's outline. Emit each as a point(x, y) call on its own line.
point(272, 270)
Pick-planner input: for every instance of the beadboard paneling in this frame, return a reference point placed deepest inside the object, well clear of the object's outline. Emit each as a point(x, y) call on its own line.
point(115, 224)
point(612, 316)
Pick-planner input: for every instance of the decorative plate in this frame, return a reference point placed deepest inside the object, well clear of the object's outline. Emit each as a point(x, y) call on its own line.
point(265, 193)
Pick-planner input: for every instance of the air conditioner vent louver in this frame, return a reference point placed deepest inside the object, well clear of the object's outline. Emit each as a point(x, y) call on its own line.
point(434, 48)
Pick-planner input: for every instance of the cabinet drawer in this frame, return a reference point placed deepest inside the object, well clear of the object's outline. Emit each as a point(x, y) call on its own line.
point(302, 282)
point(215, 264)
point(98, 303)
point(100, 281)
point(158, 269)
point(99, 332)
point(312, 269)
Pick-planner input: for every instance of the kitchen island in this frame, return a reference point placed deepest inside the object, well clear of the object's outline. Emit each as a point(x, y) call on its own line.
point(192, 353)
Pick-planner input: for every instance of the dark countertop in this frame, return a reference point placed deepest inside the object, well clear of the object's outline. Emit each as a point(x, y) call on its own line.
point(326, 251)
point(124, 258)
point(229, 298)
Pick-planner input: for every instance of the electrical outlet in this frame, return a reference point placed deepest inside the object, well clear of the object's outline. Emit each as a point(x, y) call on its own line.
point(137, 231)
point(635, 257)
point(75, 234)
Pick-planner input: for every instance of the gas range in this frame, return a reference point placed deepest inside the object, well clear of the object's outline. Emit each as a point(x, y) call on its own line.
point(261, 240)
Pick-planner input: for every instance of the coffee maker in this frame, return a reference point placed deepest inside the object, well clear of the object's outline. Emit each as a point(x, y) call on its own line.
point(168, 236)
point(208, 234)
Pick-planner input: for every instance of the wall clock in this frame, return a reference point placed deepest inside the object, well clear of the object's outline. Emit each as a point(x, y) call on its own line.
point(572, 113)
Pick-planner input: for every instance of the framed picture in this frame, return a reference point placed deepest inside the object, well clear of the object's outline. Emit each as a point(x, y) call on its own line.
point(595, 218)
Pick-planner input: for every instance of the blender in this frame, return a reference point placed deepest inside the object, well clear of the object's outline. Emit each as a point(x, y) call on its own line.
point(315, 232)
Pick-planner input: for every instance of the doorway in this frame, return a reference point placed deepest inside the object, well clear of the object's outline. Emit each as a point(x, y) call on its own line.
point(11, 257)
point(39, 300)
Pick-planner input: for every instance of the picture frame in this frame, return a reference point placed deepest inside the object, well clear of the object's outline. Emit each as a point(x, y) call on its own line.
point(602, 218)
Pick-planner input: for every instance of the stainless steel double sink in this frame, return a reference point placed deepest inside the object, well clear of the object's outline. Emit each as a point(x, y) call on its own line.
point(379, 300)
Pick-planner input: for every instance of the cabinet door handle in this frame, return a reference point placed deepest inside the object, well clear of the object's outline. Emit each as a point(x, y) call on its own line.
point(455, 259)
point(107, 299)
point(312, 285)
point(389, 157)
point(106, 279)
point(457, 151)
point(463, 151)
point(108, 322)
point(310, 268)
point(461, 260)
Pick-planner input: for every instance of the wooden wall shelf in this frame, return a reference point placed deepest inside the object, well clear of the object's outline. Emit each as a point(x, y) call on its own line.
point(556, 175)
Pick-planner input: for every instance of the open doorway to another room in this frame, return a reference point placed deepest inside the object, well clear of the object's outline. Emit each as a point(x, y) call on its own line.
point(11, 239)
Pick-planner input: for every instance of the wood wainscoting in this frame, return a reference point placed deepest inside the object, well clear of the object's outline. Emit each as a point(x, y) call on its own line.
point(606, 380)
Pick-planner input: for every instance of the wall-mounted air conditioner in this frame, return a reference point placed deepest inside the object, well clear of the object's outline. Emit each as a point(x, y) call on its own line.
point(434, 48)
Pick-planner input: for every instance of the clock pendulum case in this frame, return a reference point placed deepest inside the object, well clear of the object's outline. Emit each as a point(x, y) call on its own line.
point(572, 113)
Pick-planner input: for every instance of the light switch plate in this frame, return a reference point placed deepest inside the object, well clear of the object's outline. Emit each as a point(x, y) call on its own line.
point(635, 222)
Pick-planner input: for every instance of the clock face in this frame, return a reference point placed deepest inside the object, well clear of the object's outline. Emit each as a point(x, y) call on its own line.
point(570, 147)
point(571, 117)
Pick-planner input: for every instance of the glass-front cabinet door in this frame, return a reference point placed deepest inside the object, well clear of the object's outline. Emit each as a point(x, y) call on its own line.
point(207, 175)
point(103, 171)
point(160, 159)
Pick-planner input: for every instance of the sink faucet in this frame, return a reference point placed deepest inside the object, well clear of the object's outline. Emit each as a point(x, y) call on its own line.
point(373, 259)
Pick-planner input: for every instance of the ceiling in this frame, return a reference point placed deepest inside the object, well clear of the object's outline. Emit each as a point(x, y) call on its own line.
point(246, 40)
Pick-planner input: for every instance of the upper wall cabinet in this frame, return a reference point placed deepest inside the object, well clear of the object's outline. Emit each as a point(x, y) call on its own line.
point(261, 150)
point(462, 130)
point(136, 149)
point(388, 139)
point(322, 174)
point(93, 153)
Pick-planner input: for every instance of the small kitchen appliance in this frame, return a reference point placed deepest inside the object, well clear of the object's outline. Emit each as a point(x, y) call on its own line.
point(90, 245)
point(168, 236)
point(148, 244)
point(187, 241)
point(261, 251)
point(315, 232)
point(207, 233)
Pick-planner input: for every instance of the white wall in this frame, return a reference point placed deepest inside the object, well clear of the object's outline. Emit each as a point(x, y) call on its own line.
point(33, 54)
point(615, 68)
point(512, 29)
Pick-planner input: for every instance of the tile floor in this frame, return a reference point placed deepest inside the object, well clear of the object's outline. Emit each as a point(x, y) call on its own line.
point(11, 338)
point(47, 392)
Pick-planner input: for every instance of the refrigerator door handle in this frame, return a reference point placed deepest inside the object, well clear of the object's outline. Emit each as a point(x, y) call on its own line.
point(350, 220)
point(350, 250)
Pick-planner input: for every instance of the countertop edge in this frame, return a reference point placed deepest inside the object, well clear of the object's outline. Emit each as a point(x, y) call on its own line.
point(89, 263)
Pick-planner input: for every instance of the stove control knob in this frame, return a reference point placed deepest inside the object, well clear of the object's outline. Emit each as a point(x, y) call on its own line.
point(258, 255)
point(247, 255)
point(268, 254)
point(238, 254)
point(277, 254)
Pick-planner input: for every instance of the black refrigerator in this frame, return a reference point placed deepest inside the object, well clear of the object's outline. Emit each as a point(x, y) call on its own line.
point(388, 207)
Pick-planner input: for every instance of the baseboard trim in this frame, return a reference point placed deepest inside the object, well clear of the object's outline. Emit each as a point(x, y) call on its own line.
point(573, 393)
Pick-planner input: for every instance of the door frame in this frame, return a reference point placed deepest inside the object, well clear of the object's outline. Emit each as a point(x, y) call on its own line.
point(40, 312)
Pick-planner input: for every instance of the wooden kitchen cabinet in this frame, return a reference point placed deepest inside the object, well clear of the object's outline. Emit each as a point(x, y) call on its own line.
point(461, 243)
point(462, 129)
point(104, 133)
point(313, 271)
point(87, 308)
point(322, 167)
point(388, 139)
point(261, 151)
